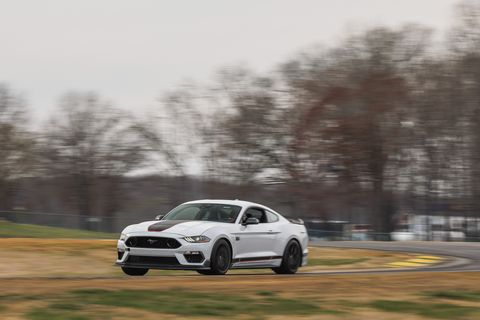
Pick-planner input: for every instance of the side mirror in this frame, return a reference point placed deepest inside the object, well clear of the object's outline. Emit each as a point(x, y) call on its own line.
point(251, 220)
point(159, 217)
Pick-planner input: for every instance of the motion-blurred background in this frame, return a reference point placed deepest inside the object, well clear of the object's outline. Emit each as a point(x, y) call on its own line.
point(373, 135)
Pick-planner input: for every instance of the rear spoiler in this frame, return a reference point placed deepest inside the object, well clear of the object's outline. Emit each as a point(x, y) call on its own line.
point(296, 221)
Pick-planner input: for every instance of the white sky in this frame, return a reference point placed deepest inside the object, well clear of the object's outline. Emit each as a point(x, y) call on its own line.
point(130, 51)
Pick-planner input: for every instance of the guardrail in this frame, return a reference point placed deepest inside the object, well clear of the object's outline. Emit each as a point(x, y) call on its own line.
point(343, 236)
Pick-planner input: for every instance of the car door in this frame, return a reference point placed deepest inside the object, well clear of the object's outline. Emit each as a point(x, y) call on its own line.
point(255, 242)
point(274, 230)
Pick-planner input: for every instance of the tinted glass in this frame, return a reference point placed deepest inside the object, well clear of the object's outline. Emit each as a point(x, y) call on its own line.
point(272, 217)
point(254, 213)
point(204, 212)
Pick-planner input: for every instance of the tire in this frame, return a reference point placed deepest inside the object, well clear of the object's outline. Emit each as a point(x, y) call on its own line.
point(134, 271)
point(292, 258)
point(220, 260)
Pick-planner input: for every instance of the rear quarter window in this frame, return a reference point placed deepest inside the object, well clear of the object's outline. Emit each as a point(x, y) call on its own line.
point(272, 217)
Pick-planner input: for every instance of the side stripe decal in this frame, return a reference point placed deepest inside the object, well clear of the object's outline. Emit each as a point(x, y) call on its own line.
point(256, 259)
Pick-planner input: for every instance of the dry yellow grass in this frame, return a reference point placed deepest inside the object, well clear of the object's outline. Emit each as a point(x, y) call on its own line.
point(25, 265)
point(90, 258)
point(56, 257)
point(330, 291)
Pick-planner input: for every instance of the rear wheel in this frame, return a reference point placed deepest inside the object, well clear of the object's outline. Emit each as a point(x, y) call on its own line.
point(292, 259)
point(220, 259)
point(134, 271)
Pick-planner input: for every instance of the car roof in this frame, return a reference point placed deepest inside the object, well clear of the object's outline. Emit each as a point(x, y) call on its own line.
point(236, 202)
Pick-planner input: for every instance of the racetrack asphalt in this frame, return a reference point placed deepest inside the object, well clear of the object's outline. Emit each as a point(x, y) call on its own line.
point(461, 256)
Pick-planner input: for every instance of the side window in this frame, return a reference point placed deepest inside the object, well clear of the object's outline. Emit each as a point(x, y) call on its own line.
point(272, 217)
point(255, 213)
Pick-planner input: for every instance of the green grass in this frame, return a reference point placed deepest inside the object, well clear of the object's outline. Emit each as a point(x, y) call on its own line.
point(187, 303)
point(266, 293)
point(432, 310)
point(46, 314)
point(76, 305)
point(15, 230)
point(456, 295)
point(334, 262)
point(59, 310)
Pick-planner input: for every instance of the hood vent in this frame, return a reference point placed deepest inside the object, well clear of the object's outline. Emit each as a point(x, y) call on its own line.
point(164, 225)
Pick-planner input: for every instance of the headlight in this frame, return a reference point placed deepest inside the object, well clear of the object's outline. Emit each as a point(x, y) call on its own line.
point(123, 236)
point(197, 239)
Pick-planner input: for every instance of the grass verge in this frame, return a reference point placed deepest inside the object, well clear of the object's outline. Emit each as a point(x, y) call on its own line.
point(456, 295)
point(426, 309)
point(183, 303)
point(16, 230)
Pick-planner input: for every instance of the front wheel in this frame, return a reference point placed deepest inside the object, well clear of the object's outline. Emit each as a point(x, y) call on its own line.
point(220, 260)
point(134, 271)
point(292, 259)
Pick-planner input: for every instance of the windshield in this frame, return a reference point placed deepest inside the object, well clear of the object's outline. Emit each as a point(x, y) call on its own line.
point(204, 212)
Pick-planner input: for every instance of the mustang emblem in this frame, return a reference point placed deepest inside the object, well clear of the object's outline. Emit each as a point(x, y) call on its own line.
point(151, 241)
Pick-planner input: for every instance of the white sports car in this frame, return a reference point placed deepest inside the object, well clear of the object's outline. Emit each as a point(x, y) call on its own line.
point(212, 236)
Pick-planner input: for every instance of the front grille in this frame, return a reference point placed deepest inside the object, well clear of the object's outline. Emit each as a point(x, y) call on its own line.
point(153, 260)
point(120, 254)
point(152, 242)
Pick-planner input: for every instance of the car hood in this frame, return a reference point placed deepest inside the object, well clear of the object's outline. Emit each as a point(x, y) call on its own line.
point(181, 227)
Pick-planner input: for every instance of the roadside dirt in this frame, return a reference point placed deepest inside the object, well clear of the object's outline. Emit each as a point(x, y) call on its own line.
point(22, 257)
point(42, 267)
point(327, 286)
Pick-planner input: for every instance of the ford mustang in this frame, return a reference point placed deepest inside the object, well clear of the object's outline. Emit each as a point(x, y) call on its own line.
point(213, 236)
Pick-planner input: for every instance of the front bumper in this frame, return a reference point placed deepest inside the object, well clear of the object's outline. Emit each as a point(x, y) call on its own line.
point(305, 257)
point(189, 256)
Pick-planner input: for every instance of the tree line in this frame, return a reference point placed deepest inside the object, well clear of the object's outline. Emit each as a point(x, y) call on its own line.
point(388, 113)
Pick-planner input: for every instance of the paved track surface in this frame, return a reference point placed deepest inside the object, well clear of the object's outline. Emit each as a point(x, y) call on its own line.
point(466, 255)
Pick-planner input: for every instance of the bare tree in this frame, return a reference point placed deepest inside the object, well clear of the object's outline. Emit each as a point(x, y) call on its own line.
point(464, 36)
point(15, 144)
point(464, 42)
point(94, 145)
point(354, 113)
point(247, 129)
point(174, 131)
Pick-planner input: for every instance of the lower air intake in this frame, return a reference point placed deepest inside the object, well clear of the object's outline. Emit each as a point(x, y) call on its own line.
point(171, 261)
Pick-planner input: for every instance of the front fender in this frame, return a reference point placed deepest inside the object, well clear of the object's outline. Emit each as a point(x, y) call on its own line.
point(215, 236)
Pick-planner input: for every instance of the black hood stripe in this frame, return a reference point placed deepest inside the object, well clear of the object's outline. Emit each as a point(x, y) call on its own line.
point(164, 225)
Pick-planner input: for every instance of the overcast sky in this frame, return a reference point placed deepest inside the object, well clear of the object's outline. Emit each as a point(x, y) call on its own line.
point(132, 51)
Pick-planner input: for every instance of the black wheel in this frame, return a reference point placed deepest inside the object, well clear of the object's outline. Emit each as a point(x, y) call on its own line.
point(220, 260)
point(134, 271)
point(292, 259)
